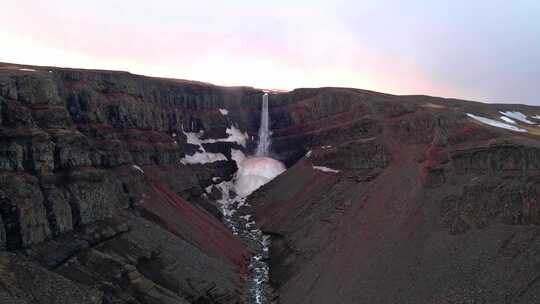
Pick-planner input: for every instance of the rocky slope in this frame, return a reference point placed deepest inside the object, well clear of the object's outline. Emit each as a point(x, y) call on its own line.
point(387, 199)
point(94, 198)
point(429, 204)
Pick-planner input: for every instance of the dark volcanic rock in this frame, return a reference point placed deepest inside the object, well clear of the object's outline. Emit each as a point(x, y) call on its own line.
point(23, 281)
point(424, 209)
point(411, 201)
point(22, 210)
point(78, 148)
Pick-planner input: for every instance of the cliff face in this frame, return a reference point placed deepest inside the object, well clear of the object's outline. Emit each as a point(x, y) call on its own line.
point(387, 199)
point(428, 206)
point(93, 193)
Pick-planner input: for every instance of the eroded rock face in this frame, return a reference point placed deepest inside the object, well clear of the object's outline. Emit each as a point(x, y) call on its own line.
point(388, 199)
point(23, 281)
point(415, 203)
point(82, 149)
point(22, 210)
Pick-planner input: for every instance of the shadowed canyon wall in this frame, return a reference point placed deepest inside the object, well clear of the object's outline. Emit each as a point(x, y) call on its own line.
point(387, 199)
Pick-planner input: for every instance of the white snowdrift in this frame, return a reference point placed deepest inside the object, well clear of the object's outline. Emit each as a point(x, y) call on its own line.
point(138, 169)
point(495, 123)
point(202, 158)
point(27, 70)
point(325, 169)
point(517, 116)
point(194, 138)
point(223, 112)
point(238, 157)
point(255, 172)
point(235, 136)
point(508, 120)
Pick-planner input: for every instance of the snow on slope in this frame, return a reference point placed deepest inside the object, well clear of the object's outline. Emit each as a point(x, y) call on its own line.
point(200, 157)
point(506, 119)
point(517, 116)
point(138, 168)
point(238, 157)
point(325, 169)
point(203, 157)
point(495, 123)
point(234, 136)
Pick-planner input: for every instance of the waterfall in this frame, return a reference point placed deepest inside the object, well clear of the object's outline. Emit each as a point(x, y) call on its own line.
point(263, 147)
point(253, 172)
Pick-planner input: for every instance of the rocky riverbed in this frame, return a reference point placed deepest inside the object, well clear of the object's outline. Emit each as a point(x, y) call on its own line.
point(237, 215)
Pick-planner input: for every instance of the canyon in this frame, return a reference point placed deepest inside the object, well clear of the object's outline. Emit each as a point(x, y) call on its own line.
point(111, 183)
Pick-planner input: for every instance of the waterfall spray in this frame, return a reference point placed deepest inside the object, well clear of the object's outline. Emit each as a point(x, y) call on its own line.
point(263, 147)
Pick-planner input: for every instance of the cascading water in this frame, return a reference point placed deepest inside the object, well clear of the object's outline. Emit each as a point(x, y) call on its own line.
point(264, 168)
point(253, 172)
point(263, 147)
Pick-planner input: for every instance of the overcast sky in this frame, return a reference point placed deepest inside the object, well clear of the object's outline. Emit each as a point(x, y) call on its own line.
point(480, 50)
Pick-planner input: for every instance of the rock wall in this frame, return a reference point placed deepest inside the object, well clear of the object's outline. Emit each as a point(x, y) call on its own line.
point(421, 205)
point(84, 148)
point(388, 199)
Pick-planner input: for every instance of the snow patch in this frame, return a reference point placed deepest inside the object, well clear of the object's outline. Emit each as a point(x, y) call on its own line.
point(495, 123)
point(238, 157)
point(202, 158)
point(517, 116)
point(138, 168)
point(27, 70)
point(508, 120)
point(234, 135)
point(246, 217)
point(325, 169)
point(194, 138)
point(536, 117)
point(308, 154)
point(223, 112)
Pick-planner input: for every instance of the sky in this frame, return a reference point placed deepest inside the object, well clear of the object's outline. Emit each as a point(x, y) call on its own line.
point(479, 50)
